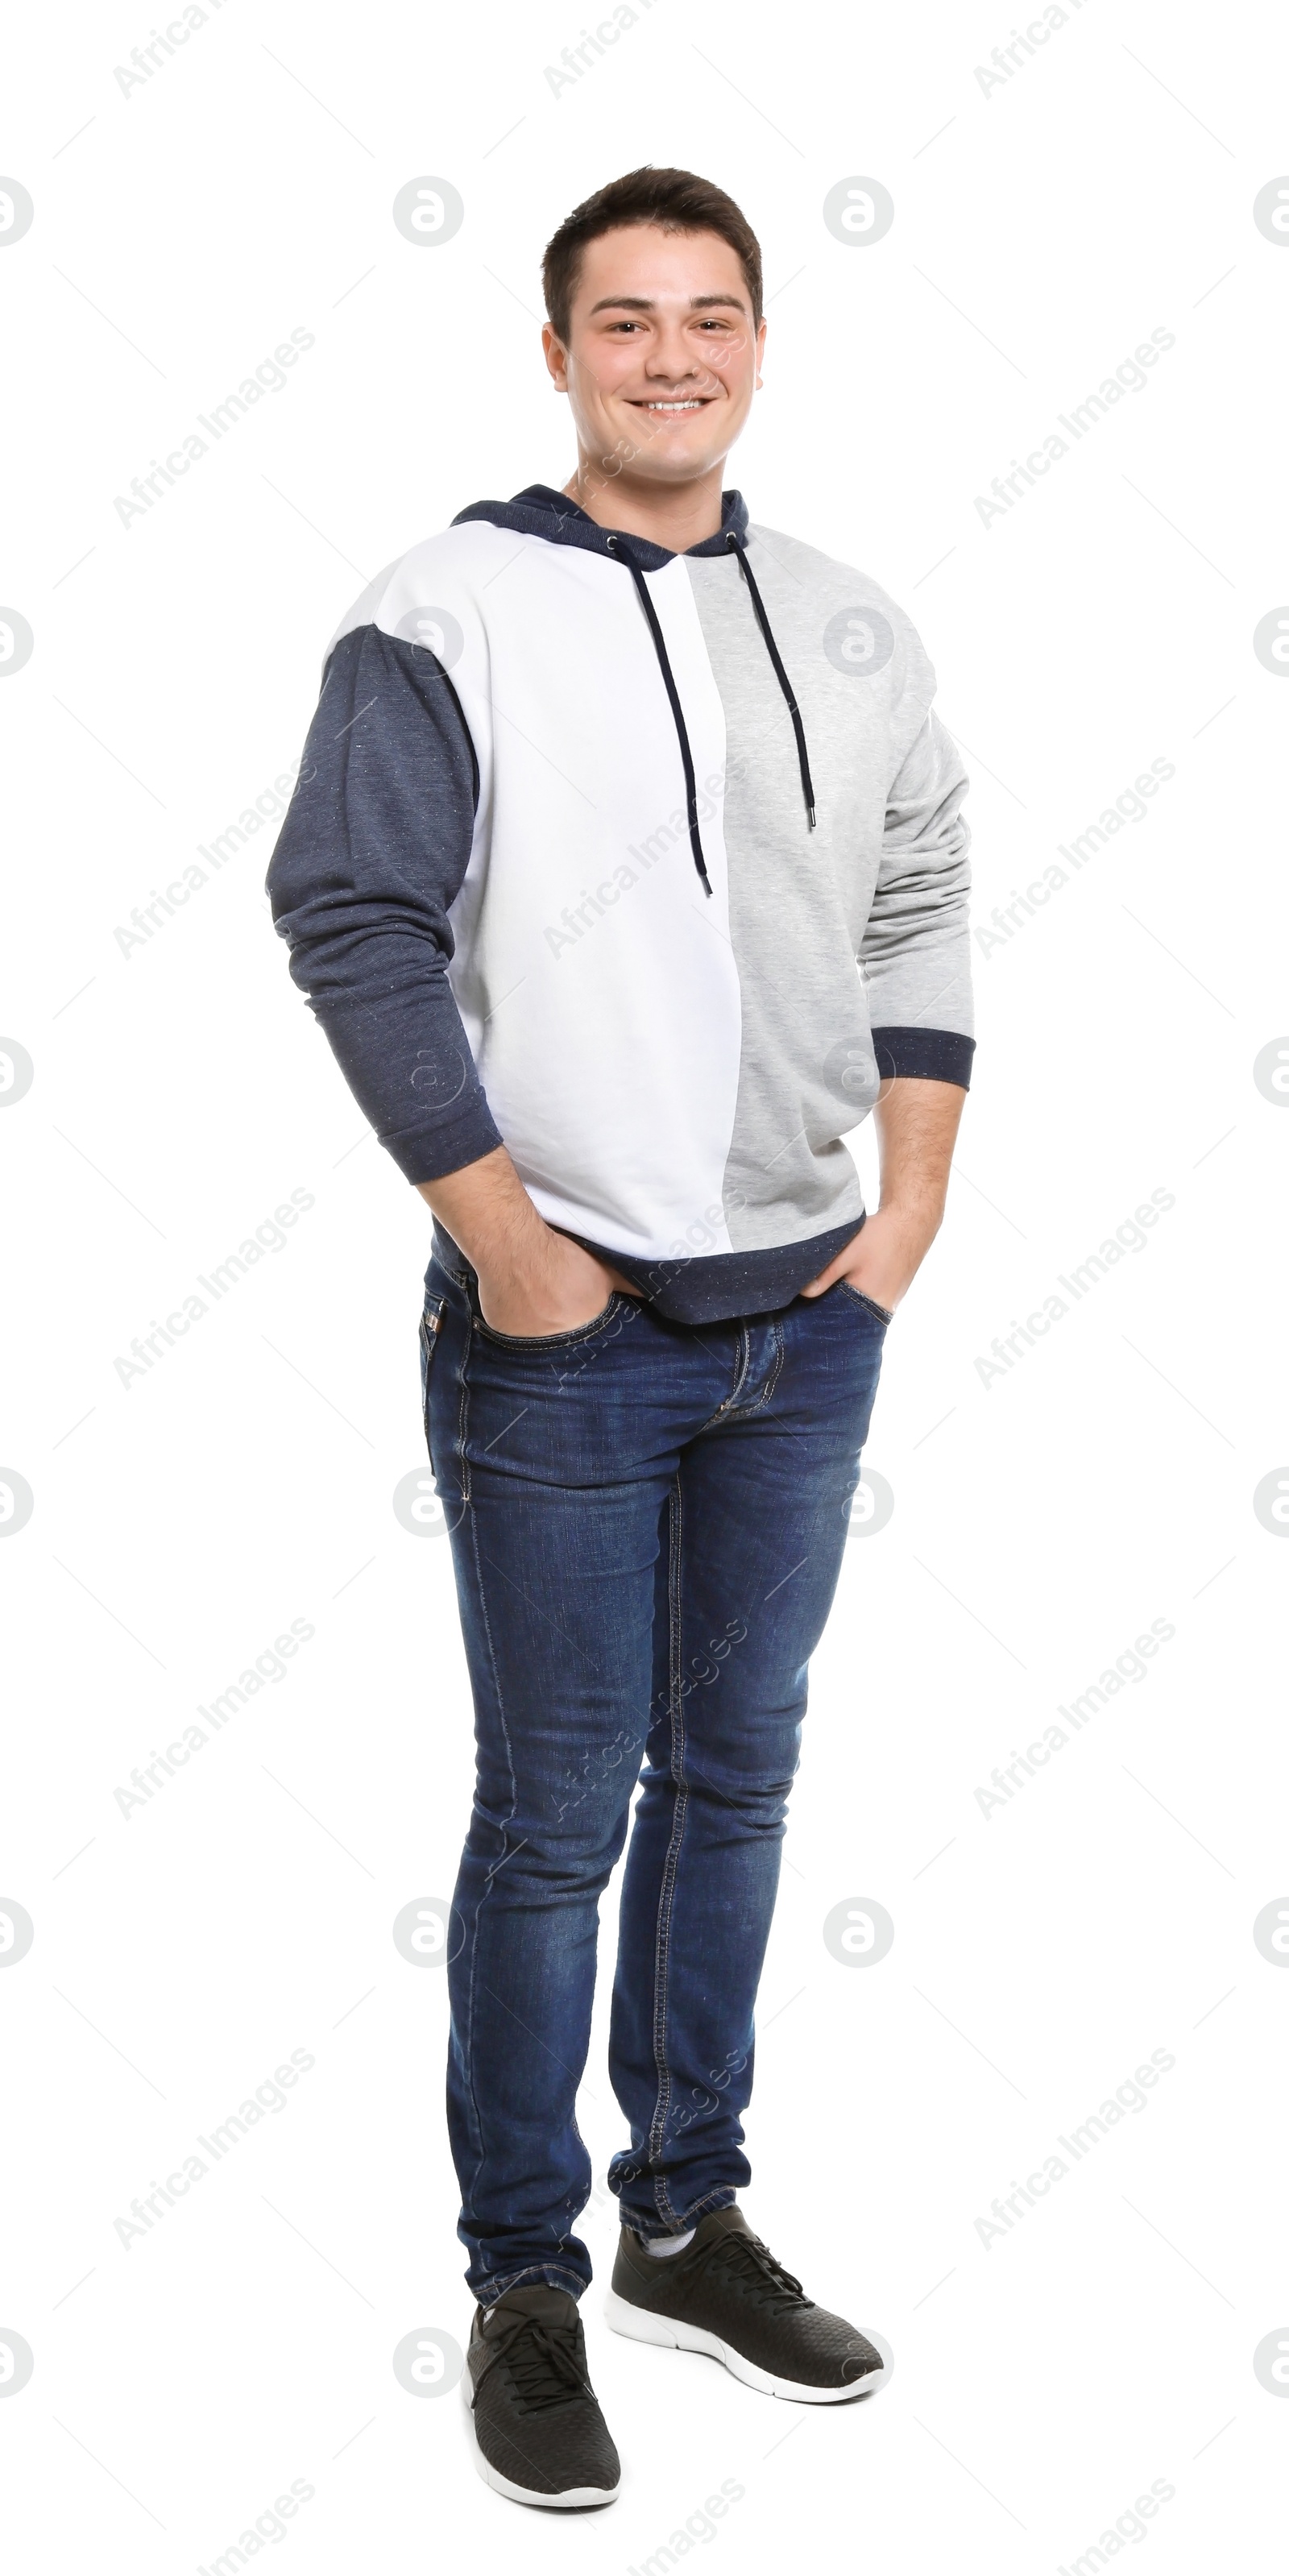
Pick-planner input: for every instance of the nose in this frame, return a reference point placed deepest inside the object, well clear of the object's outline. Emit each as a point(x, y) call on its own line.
point(672, 360)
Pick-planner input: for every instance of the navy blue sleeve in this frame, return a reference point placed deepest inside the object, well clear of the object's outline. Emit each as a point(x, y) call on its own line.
point(373, 851)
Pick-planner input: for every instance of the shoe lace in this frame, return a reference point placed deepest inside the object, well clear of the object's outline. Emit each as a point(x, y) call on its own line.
point(541, 2363)
point(753, 2269)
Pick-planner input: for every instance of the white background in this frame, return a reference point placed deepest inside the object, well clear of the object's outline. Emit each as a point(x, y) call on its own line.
point(1043, 228)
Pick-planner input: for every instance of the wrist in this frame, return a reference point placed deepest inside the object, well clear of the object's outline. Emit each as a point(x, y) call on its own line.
point(918, 1219)
point(521, 1259)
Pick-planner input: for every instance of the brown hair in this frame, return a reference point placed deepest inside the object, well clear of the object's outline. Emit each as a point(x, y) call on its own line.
point(673, 199)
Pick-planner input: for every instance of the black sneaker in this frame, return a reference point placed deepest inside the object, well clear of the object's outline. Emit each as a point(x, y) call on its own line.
point(727, 2296)
point(540, 2434)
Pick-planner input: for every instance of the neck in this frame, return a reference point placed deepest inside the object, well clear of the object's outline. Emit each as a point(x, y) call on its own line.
point(676, 515)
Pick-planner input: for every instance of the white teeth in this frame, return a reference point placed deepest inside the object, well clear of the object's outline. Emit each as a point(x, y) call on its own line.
point(673, 406)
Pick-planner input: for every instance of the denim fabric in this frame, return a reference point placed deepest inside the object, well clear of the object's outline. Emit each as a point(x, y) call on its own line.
point(647, 1523)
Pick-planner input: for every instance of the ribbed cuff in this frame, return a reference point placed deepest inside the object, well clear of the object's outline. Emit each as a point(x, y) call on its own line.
point(927, 1055)
point(448, 1145)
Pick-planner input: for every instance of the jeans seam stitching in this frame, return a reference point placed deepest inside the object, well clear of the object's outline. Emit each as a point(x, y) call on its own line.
point(514, 1785)
point(569, 1341)
point(883, 1314)
point(662, 1950)
point(746, 1411)
point(723, 1409)
point(429, 1345)
point(463, 1417)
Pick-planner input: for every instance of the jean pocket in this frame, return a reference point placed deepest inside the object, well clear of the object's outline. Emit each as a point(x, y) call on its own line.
point(430, 1329)
point(882, 1314)
point(544, 1342)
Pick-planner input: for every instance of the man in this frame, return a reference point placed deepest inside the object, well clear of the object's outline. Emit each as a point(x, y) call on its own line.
point(626, 875)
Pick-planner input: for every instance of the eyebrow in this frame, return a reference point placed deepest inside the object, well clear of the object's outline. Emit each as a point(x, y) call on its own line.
point(646, 303)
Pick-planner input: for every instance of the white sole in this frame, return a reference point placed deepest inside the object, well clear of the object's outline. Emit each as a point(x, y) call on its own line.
point(644, 2326)
point(569, 2502)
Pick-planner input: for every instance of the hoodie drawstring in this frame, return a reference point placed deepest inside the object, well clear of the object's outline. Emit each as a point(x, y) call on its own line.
point(803, 758)
point(686, 756)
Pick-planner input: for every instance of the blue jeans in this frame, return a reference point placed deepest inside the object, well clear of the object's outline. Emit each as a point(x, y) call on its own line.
point(647, 1524)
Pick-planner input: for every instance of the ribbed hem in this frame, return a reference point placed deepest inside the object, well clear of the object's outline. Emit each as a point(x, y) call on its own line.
point(721, 1286)
point(926, 1055)
point(716, 1288)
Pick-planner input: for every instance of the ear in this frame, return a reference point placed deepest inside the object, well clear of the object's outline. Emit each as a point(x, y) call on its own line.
point(556, 359)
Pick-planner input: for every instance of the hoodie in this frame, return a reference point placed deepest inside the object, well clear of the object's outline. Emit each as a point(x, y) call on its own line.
point(649, 865)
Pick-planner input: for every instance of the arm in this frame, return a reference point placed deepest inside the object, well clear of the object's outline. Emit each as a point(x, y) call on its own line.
point(371, 856)
point(916, 1125)
point(917, 966)
point(916, 952)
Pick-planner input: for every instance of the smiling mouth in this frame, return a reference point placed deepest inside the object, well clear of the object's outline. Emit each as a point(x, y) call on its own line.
point(689, 402)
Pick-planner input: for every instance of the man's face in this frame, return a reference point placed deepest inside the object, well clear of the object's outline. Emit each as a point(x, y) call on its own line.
point(663, 358)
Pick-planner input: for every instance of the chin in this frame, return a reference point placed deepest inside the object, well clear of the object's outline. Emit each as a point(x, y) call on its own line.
point(676, 462)
point(677, 469)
